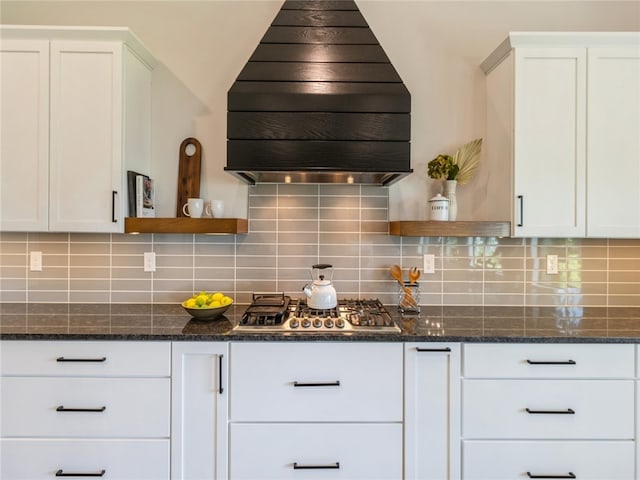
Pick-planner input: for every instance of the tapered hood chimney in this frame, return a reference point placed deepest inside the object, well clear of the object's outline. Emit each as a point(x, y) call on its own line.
point(319, 102)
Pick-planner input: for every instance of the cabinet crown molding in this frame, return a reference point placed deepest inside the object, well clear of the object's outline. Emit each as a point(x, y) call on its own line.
point(558, 40)
point(80, 33)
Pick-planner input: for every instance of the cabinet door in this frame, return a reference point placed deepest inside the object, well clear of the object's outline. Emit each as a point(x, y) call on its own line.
point(199, 411)
point(613, 144)
point(549, 139)
point(86, 136)
point(24, 129)
point(432, 420)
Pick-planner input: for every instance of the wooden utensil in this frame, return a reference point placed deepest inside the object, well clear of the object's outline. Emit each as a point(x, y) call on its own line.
point(188, 173)
point(414, 275)
point(407, 300)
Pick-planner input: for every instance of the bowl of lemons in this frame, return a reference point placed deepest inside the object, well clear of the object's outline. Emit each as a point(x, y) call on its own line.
point(207, 306)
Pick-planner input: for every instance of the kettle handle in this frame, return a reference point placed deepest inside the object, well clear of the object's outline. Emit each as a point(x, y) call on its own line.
point(322, 266)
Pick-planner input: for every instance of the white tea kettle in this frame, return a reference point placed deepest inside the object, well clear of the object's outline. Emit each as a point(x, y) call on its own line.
point(320, 292)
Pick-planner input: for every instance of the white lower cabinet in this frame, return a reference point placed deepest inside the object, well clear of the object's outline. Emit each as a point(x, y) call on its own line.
point(316, 410)
point(510, 460)
point(199, 411)
point(548, 411)
point(278, 451)
point(85, 409)
point(432, 419)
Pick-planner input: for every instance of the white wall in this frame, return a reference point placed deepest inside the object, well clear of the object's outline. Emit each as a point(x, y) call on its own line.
point(436, 46)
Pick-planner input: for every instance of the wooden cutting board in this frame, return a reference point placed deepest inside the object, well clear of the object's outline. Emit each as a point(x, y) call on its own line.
point(188, 173)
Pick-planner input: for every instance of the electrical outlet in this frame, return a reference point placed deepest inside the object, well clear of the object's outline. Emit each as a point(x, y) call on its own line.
point(149, 261)
point(429, 263)
point(35, 261)
point(552, 264)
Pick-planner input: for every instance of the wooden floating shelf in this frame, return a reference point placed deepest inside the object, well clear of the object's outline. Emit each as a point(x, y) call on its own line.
point(228, 226)
point(410, 228)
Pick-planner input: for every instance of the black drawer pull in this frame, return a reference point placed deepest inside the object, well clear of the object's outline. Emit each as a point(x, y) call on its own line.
point(61, 408)
point(220, 389)
point(443, 350)
point(317, 384)
point(96, 360)
point(521, 202)
point(113, 206)
point(568, 411)
point(559, 362)
point(568, 475)
point(62, 473)
point(334, 466)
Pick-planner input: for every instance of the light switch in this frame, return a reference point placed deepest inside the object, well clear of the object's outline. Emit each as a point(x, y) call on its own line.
point(149, 261)
point(35, 261)
point(429, 263)
point(552, 264)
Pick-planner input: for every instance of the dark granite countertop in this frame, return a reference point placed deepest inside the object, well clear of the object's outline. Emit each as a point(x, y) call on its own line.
point(20, 321)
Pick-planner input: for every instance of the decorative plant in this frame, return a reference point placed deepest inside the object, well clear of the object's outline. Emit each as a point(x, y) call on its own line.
point(461, 166)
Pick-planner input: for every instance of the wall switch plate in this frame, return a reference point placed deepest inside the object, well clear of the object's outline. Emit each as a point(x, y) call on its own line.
point(429, 263)
point(552, 264)
point(35, 261)
point(149, 261)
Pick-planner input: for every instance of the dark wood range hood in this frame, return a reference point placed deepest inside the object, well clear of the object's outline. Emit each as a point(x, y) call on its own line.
point(319, 102)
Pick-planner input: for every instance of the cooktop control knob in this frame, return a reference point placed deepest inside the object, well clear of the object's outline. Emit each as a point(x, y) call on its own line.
point(306, 323)
point(328, 323)
point(294, 323)
point(317, 323)
point(340, 323)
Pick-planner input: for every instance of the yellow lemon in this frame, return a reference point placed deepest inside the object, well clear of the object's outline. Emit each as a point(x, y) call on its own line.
point(216, 297)
point(191, 303)
point(226, 300)
point(214, 304)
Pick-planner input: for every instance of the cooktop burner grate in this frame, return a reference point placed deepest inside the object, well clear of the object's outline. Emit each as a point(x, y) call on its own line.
point(279, 313)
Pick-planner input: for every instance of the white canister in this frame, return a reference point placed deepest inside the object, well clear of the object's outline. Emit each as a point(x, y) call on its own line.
point(439, 208)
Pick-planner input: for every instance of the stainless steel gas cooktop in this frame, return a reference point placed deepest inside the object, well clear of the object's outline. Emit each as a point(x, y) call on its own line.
point(276, 312)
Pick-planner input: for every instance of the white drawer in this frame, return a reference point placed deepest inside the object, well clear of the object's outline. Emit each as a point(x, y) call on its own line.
point(36, 459)
point(80, 358)
point(282, 451)
point(498, 409)
point(522, 360)
point(552, 459)
point(133, 407)
point(302, 381)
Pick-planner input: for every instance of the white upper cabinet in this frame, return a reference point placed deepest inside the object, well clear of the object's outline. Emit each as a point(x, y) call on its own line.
point(24, 130)
point(87, 120)
point(563, 114)
point(613, 142)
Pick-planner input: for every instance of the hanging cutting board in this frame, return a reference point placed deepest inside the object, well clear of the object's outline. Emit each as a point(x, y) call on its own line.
point(188, 172)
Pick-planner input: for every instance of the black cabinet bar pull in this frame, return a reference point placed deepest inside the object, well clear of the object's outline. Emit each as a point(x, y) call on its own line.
point(521, 202)
point(444, 350)
point(62, 473)
point(113, 206)
point(220, 389)
point(296, 466)
point(568, 411)
point(62, 408)
point(551, 362)
point(568, 475)
point(63, 359)
point(317, 384)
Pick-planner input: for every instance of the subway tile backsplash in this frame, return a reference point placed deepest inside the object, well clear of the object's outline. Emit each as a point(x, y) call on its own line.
point(295, 226)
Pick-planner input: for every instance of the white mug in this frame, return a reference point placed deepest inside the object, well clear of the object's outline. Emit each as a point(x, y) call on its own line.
point(193, 208)
point(217, 208)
